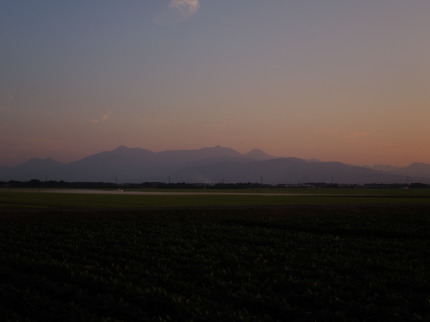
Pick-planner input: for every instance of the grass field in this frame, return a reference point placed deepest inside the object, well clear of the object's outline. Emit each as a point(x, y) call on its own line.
point(202, 198)
point(363, 256)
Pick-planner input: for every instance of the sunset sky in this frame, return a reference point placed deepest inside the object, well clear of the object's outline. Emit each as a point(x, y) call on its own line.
point(330, 79)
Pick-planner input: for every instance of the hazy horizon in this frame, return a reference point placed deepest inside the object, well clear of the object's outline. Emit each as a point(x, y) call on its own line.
point(332, 80)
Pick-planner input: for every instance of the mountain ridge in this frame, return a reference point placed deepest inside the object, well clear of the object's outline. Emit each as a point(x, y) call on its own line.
point(207, 165)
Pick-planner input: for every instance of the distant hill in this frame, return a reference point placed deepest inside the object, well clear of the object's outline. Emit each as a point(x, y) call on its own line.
point(417, 169)
point(38, 169)
point(137, 165)
point(383, 167)
point(286, 170)
point(414, 170)
point(206, 165)
point(5, 172)
point(124, 164)
point(257, 154)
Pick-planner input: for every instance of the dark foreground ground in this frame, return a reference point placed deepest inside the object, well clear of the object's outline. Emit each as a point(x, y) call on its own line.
point(351, 263)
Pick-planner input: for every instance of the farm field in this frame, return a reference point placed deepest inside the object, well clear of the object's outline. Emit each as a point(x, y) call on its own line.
point(118, 257)
point(66, 198)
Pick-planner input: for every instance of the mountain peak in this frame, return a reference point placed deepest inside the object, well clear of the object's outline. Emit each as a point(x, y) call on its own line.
point(257, 154)
point(219, 151)
point(217, 148)
point(419, 165)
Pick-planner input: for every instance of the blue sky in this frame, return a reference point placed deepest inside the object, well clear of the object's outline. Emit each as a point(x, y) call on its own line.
point(332, 79)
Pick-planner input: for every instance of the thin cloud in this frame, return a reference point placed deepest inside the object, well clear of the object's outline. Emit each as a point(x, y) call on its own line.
point(187, 6)
point(103, 118)
point(177, 11)
point(106, 116)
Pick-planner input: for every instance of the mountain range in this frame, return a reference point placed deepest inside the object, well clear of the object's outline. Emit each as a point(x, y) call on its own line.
point(208, 165)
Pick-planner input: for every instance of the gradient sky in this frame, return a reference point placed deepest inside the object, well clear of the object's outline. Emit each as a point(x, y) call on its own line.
point(330, 79)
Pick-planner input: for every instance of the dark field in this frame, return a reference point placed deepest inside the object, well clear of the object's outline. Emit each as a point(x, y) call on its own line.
point(65, 198)
point(278, 263)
